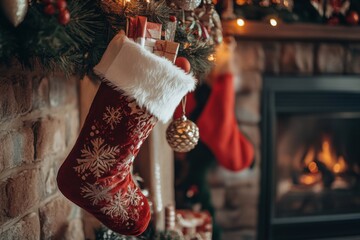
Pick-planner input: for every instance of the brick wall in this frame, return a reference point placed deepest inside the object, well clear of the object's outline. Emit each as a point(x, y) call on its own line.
point(235, 195)
point(38, 125)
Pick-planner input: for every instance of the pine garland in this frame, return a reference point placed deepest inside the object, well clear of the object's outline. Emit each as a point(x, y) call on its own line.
point(8, 43)
point(195, 51)
point(158, 12)
point(78, 46)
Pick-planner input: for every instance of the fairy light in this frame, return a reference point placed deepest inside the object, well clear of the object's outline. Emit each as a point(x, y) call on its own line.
point(211, 58)
point(158, 189)
point(240, 2)
point(273, 22)
point(286, 3)
point(240, 22)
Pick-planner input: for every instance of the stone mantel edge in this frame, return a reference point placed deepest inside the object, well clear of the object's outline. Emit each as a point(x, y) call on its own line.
point(296, 31)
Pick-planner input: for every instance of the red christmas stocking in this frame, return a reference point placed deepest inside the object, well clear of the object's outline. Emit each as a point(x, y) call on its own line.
point(219, 130)
point(139, 88)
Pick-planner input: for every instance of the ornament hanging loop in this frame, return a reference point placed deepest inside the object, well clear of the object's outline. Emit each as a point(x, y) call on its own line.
point(182, 134)
point(183, 104)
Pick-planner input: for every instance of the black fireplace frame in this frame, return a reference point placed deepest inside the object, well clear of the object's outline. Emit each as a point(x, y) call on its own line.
point(296, 95)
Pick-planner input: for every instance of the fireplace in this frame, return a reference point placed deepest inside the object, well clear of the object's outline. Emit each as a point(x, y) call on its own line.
point(310, 170)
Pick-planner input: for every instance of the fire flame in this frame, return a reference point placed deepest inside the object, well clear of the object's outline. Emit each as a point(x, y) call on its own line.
point(327, 156)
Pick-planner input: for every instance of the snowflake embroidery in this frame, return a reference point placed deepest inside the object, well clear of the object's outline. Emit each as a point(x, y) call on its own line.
point(117, 207)
point(95, 193)
point(137, 126)
point(112, 116)
point(127, 160)
point(134, 215)
point(133, 106)
point(132, 196)
point(123, 171)
point(98, 159)
point(140, 124)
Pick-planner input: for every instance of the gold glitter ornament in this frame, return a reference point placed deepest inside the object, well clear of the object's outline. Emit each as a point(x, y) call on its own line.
point(182, 134)
point(14, 10)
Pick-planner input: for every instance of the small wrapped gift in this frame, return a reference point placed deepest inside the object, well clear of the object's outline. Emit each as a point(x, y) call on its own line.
point(136, 29)
point(150, 44)
point(141, 30)
point(170, 31)
point(166, 49)
point(131, 27)
point(153, 30)
point(194, 225)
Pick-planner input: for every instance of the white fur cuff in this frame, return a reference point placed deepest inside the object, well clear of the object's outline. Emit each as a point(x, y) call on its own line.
point(154, 82)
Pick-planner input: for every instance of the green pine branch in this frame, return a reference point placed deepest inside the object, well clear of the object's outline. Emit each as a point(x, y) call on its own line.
point(76, 47)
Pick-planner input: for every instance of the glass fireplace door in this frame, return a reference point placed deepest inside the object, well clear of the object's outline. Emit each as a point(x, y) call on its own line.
point(317, 164)
point(310, 166)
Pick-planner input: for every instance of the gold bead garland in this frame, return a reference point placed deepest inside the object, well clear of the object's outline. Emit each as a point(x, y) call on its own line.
point(182, 134)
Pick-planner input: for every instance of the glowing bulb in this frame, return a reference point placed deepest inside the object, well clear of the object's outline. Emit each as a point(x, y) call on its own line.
point(211, 57)
point(273, 22)
point(286, 3)
point(128, 1)
point(240, 2)
point(148, 1)
point(240, 22)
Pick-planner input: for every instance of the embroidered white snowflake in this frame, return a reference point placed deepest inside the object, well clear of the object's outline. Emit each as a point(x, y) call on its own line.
point(133, 106)
point(127, 160)
point(123, 172)
point(98, 158)
point(95, 193)
point(117, 207)
point(132, 196)
point(112, 116)
point(134, 215)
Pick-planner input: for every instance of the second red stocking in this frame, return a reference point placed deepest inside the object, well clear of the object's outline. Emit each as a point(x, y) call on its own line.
point(219, 129)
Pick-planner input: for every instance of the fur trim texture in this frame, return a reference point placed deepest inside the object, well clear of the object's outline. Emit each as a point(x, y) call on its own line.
point(153, 81)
